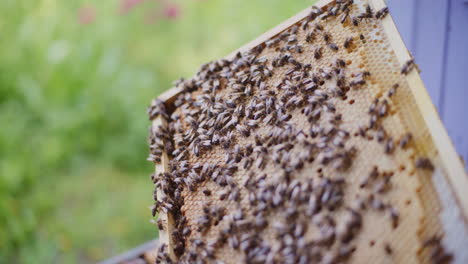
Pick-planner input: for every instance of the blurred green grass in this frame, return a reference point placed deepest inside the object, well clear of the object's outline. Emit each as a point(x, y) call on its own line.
point(74, 184)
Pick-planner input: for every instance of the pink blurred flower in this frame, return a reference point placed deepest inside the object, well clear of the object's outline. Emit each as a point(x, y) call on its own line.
point(127, 5)
point(86, 15)
point(171, 11)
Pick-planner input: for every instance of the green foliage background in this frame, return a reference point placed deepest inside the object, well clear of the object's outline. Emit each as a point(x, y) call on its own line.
point(74, 185)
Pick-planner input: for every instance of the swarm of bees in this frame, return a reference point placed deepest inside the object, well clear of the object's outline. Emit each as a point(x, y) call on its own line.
point(261, 151)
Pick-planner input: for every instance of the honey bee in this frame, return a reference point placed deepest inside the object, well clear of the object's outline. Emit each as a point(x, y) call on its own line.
point(348, 42)
point(327, 37)
point(344, 16)
point(368, 14)
point(333, 46)
point(394, 217)
point(318, 53)
point(424, 163)
point(392, 90)
point(407, 67)
point(310, 37)
point(381, 13)
point(389, 146)
point(405, 140)
point(355, 21)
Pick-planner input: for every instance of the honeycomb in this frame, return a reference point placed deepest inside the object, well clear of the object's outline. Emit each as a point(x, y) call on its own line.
point(327, 158)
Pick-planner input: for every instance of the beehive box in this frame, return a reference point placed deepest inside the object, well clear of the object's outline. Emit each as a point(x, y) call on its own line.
point(315, 143)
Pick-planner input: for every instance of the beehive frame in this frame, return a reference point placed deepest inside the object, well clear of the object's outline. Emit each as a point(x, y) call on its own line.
point(447, 158)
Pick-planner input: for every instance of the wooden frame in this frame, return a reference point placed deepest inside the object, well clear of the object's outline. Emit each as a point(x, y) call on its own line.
point(452, 165)
point(167, 219)
point(132, 254)
point(450, 160)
